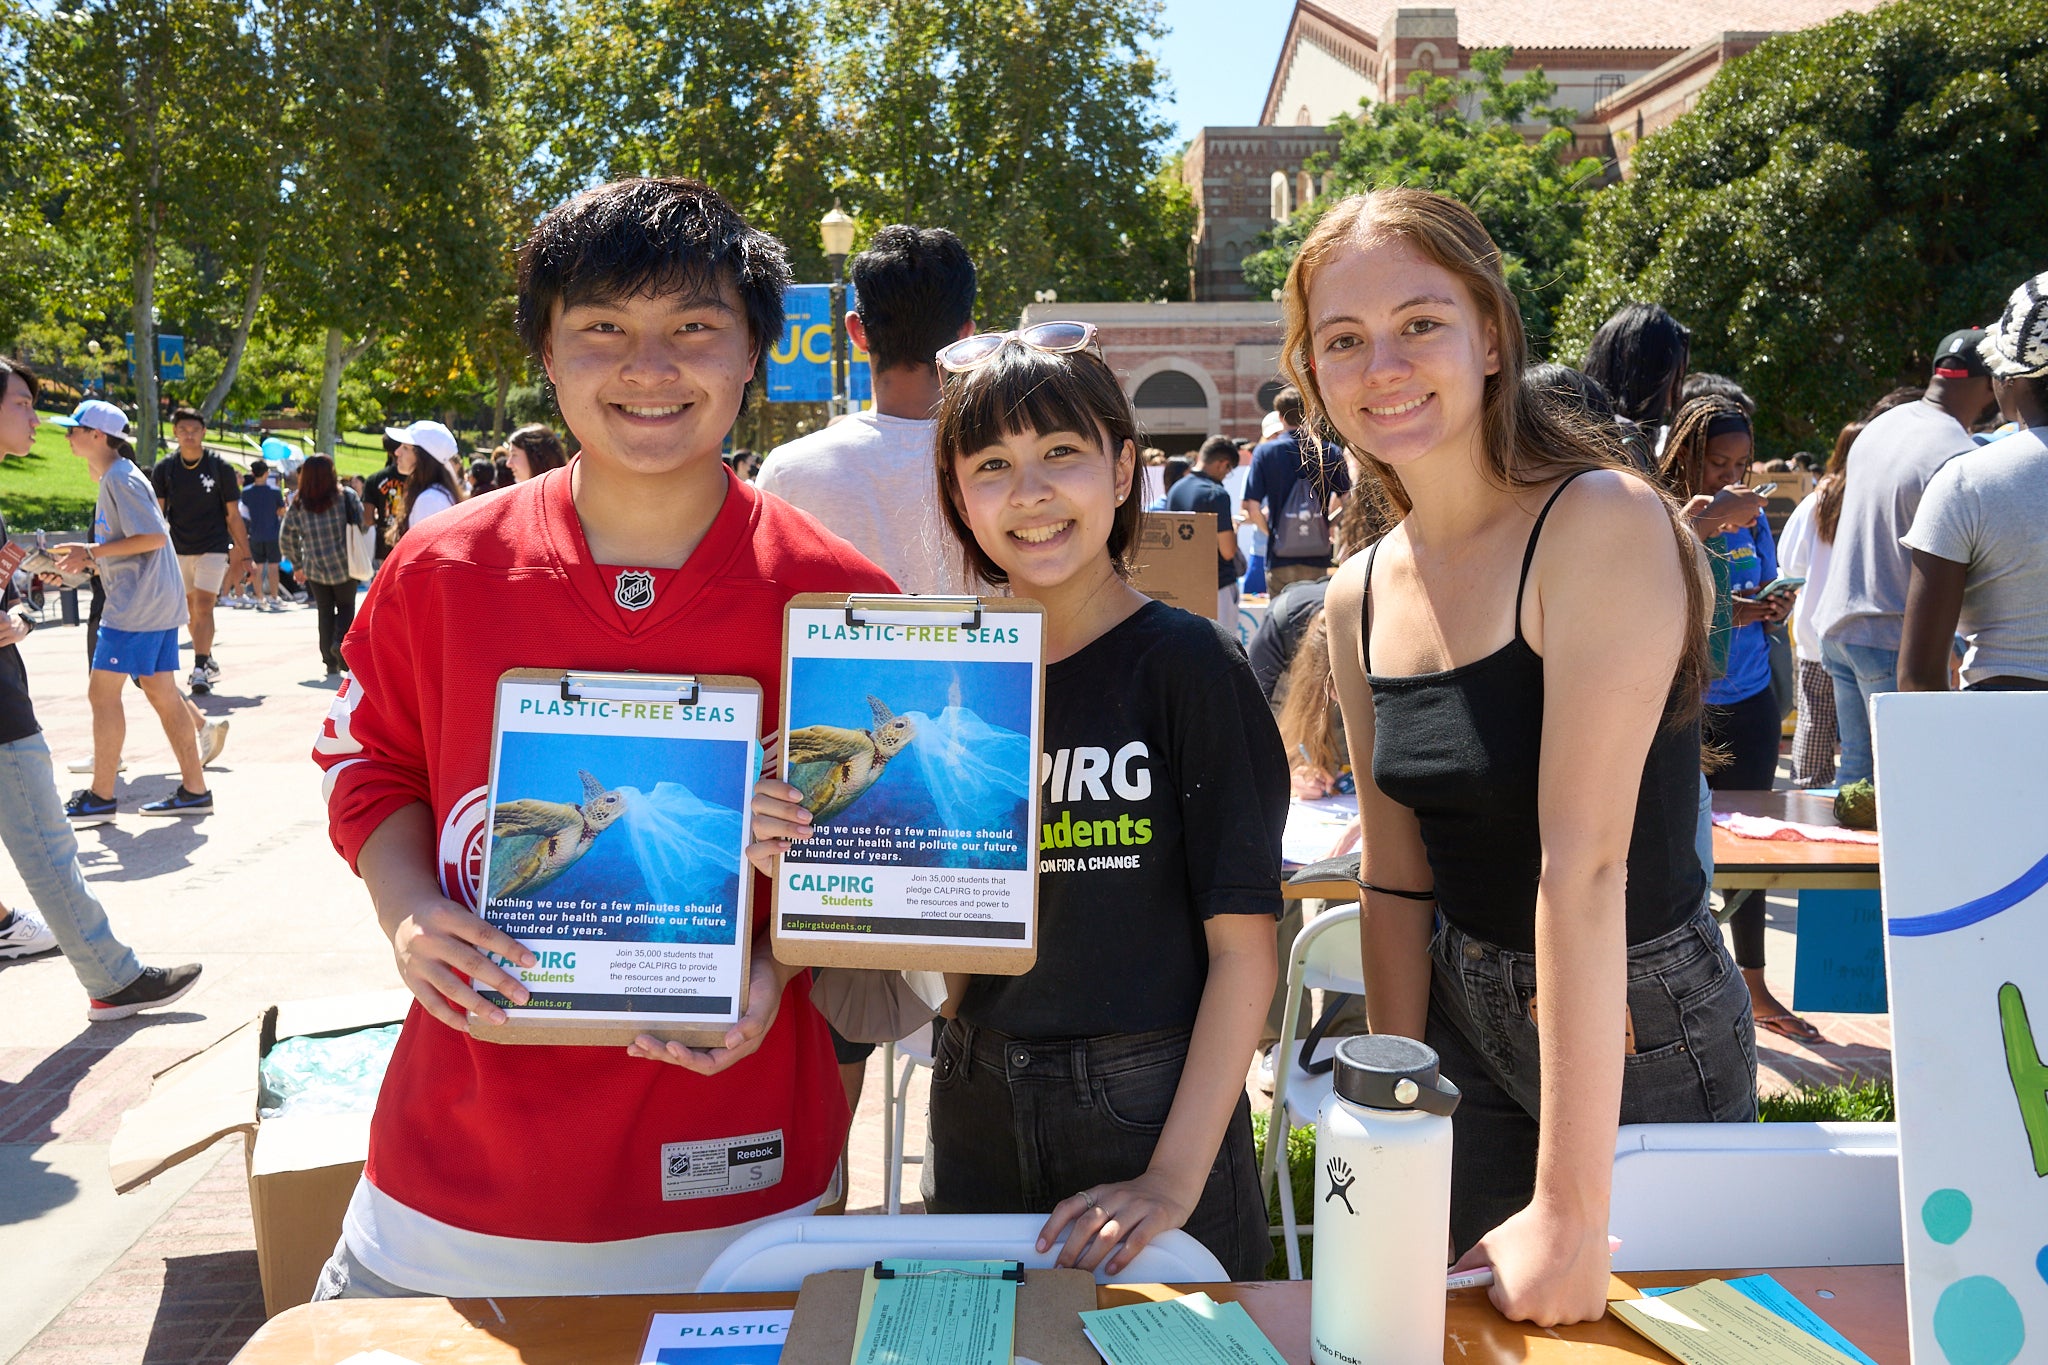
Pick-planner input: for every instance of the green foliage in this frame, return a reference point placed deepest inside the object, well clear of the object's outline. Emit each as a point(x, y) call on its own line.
point(1301, 1171)
point(1838, 201)
point(1028, 127)
point(1869, 1101)
point(48, 489)
point(1463, 138)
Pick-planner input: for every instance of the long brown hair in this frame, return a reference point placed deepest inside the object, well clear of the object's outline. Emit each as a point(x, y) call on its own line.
point(1527, 444)
point(317, 484)
point(428, 472)
point(1305, 726)
point(1827, 509)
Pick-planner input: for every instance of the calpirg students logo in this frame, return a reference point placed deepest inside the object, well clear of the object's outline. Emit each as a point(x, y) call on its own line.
point(635, 590)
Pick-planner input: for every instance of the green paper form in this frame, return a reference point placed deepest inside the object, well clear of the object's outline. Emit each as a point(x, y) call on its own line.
point(1191, 1330)
point(938, 1313)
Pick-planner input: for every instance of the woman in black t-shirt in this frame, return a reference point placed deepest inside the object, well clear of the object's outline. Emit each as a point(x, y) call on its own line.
point(1105, 1087)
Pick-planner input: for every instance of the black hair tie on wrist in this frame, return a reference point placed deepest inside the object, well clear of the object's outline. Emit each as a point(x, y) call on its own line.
point(1404, 895)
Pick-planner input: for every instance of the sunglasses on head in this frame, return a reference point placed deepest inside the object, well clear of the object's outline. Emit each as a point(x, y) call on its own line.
point(1053, 338)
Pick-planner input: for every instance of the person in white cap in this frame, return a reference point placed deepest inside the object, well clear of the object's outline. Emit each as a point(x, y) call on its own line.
point(423, 455)
point(131, 551)
point(1980, 562)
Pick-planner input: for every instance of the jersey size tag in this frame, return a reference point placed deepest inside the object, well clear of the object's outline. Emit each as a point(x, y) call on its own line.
point(700, 1170)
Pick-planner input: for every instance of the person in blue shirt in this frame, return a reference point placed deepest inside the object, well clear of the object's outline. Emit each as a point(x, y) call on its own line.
point(1202, 491)
point(1295, 550)
point(1710, 449)
point(263, 513)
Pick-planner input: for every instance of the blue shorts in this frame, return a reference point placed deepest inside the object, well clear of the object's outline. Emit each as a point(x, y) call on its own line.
point(138, 653)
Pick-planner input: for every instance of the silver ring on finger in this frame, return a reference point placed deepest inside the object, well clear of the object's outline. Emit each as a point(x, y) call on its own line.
point(1089, 1195)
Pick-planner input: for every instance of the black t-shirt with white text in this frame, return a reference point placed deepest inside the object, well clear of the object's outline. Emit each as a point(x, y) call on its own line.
point(196, 498)
point(1165, 794)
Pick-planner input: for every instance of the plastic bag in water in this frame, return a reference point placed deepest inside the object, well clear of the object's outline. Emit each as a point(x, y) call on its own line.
point(686, 848)
point(977, 773)
point(339, 1075)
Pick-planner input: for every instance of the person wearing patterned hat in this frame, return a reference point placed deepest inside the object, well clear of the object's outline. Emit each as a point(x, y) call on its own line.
point(1980, 563)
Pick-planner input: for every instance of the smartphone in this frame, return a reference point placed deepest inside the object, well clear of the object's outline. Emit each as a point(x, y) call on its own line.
point(1764, 490)
point(1778, 587)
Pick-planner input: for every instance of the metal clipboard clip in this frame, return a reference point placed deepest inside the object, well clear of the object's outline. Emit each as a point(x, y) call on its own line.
point(1014, 1272)
point(628, 687)
point(914, 611)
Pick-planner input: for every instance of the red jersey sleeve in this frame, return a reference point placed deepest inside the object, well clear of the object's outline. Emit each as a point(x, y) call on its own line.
point(372, 747)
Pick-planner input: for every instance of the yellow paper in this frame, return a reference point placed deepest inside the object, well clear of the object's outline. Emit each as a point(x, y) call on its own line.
point(1712, 1324)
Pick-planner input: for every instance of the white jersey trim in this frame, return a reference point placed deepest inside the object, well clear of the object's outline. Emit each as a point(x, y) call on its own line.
point(424, 1254)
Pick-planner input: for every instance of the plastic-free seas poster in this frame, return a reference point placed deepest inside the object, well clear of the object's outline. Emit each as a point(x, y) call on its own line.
point(913, 731)
point(616, 847)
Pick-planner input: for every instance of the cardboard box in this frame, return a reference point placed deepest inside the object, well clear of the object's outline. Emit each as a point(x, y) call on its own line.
point(301, 1170)
point(1175, 560)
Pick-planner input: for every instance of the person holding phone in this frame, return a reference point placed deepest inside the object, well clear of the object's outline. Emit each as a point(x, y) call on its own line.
point(1709, 453)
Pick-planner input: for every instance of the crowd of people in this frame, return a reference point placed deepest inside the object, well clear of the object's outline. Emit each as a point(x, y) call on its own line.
point(1532, 614)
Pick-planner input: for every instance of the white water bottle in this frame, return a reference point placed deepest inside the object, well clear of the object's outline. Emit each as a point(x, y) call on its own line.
point(1383, 1206)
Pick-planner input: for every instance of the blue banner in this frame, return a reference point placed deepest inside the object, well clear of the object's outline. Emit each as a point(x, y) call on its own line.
point(800, 364)
point(1839, 967)
point(170, 356)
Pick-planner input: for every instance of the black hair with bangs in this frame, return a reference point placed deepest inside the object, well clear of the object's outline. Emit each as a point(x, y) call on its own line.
point(1025, 390)
point(654, 237)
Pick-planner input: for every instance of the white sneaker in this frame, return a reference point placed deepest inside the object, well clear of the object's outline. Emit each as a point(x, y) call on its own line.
point(274, 604)
point(84, 765)
point(212, 740)
point(26, 936)
point(212, 668)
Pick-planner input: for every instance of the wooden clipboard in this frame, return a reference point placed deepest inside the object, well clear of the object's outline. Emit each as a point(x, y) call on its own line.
point(1049, 1308)
point(643, 689)
point(853, 947)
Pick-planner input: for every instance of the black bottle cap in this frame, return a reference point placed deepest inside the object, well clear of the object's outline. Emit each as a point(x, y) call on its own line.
point(1385, 1071)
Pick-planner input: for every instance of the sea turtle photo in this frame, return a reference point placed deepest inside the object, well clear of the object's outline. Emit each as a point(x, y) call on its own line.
point(534, 842)
point(832, 765)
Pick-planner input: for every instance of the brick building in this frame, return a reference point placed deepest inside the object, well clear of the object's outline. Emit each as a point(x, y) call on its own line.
point(1627, 67)
point(1191, 369)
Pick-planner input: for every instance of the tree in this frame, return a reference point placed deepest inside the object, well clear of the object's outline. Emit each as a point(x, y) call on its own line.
point(1462, 137)
point(729, 94)
point(387, 225)
point(1028, 127)
point(141, 107)
point(1838, 200)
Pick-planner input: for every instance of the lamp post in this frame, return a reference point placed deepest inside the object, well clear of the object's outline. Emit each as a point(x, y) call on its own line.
point(836, 231)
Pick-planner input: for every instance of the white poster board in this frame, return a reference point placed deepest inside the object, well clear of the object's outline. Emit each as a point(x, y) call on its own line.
point(1962, 783)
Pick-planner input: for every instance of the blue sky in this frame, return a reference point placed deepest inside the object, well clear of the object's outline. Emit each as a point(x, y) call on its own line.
point(1218, 56)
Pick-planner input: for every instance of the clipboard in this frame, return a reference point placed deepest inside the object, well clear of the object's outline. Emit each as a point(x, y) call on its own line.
point(1049, 1308)
point(654, 923)
point(914, 726)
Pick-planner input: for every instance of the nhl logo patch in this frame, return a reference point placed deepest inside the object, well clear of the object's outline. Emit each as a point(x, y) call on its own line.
point(635, 591)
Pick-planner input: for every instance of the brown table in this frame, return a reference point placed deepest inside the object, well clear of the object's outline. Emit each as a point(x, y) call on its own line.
point(1787, 864)
point(1867, 1305)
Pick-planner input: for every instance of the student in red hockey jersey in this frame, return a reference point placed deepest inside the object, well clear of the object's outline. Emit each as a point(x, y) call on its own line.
point(553, 1170)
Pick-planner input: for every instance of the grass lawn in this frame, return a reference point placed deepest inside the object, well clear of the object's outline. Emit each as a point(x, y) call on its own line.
point(50, 489)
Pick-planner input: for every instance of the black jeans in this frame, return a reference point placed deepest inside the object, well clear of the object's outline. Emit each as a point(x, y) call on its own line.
point(335, 604)
point(1017, 1125)
point(1750, 731)
point(1694, 1058)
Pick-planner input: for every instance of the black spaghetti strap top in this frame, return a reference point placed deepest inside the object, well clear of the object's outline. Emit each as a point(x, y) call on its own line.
point(1460, 748)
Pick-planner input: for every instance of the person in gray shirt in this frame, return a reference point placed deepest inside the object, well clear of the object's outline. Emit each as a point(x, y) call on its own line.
point(131, 551)
point(1862, 608)
point(1980, 560)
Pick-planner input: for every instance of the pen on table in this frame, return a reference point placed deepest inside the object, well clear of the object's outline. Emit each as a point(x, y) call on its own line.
point(1483, 1276)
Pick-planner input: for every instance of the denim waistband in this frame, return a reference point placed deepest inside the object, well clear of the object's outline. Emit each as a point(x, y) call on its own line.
point(1648, 958)
point(1058, 1059)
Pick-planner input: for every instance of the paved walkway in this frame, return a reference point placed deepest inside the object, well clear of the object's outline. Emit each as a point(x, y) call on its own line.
point(168, 1273)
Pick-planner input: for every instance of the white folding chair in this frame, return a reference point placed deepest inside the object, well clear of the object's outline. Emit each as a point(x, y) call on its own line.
point(1706, 1196)
point(777, 1255)
point(1325, 957)
point(912, 1052)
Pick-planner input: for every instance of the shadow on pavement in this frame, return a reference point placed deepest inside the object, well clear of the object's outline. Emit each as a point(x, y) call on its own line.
point(211, 1306)
point(126, 855)
point(28, 1187)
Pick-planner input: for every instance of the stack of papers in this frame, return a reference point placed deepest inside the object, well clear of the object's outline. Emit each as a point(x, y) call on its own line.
point(1314, 827)
point(1754, 1321)
point(1191, 1330)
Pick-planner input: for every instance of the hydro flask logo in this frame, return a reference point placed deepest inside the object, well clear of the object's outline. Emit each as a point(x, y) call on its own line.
point(1341, 1181)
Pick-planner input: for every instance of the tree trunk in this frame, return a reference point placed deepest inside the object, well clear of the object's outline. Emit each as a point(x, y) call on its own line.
point(221, 386)
point(498, 408)
point(143, 352)
point(330, 394)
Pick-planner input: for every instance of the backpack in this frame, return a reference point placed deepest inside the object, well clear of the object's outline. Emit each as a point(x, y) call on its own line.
point(1303, 531)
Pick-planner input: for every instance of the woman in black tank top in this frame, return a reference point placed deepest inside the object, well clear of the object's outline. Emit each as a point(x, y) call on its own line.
point(1519, 663)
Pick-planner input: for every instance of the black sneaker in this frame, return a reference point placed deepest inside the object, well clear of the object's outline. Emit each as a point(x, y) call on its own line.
point(180, 802)
point(154, 989)
point(84, 809)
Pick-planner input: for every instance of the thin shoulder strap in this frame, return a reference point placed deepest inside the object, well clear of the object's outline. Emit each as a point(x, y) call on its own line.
point(1536, 531)
point(1365, 639)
